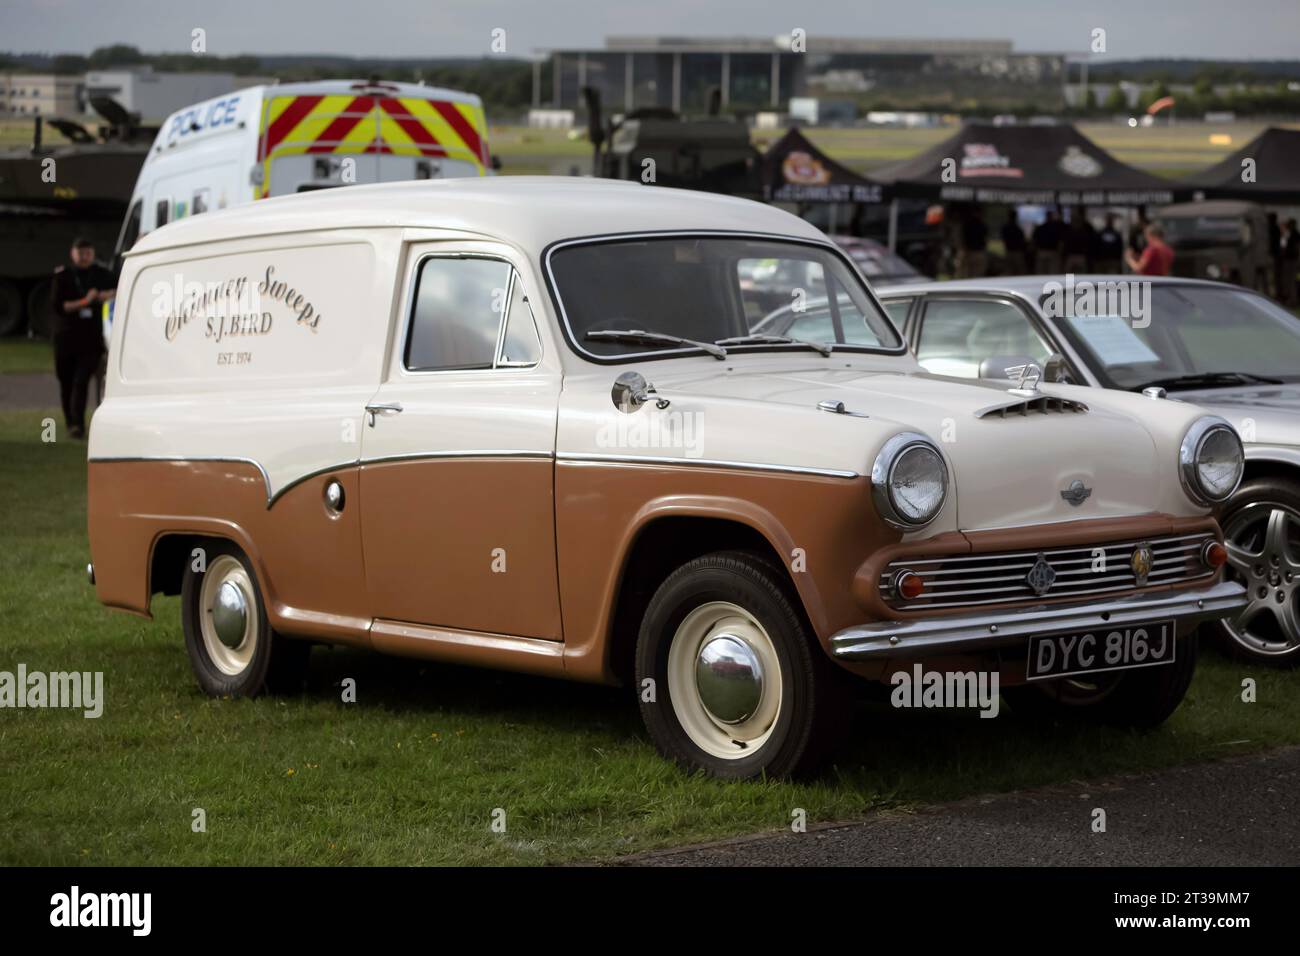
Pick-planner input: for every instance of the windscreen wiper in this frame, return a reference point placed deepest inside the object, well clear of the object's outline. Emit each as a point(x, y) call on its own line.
point(1208, 380)
point(661, 338)
point(760, 337)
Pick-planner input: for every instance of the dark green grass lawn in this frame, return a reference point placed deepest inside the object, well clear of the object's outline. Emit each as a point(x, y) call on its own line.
point(413, 771)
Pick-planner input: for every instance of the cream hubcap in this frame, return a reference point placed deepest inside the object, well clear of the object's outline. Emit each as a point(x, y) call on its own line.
point(724, 680)
point(228, 615)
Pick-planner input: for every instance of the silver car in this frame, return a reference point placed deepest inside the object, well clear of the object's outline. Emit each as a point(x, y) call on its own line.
point(1230, 350)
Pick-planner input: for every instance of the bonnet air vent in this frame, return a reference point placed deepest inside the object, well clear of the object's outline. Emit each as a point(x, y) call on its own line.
point(1041, 405)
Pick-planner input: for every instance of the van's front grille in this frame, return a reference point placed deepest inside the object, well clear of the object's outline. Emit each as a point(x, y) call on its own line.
point(969, 580)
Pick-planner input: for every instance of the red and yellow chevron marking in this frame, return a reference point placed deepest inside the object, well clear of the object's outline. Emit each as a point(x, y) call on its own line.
point(295, 125)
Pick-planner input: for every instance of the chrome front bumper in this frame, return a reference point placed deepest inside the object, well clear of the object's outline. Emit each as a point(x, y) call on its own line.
point(984, 630)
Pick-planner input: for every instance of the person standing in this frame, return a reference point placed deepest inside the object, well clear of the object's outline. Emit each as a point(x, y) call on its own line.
point(974, 245)
point(1289, 260)
point(1137, 240)
point(1078, 242)
point(1017, 248)
point(75, 300)
point(1109, 256)
point(1047, 245)
point(1157, 258)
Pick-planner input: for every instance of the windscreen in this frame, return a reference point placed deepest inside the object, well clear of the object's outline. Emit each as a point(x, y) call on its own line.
point(1193, 330)
point(709, 288)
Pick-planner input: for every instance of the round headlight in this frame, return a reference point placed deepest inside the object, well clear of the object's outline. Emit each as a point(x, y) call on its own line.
point(1211, 460)
point(909, 481)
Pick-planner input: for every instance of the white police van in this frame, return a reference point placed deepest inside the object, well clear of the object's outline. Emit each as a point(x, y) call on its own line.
point(287, 138)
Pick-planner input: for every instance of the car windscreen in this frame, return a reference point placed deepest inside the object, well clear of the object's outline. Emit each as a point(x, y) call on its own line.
point(1189, 331)
point(710, 288)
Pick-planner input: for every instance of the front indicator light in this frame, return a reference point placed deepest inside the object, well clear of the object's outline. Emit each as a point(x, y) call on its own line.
point(908, 585)
point(1214, 555)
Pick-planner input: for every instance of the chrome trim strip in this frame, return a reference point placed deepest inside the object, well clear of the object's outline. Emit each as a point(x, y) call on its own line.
point(967, 581)
point(584, 457)
point(965, 633)
point(272, 497)
point(1083, 549)
point(308, 477)
point(266, 479)
point(467, 453)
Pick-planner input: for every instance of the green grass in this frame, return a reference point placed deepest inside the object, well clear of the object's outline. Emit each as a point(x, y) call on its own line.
point(412, 772)
point(21, 354)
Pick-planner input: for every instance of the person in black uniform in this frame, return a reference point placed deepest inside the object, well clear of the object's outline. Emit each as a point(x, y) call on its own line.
point(78, 338)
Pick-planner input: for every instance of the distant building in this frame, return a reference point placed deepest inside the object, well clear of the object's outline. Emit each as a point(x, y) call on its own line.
point(678, 73)
point(39, 94)
point(157, 95)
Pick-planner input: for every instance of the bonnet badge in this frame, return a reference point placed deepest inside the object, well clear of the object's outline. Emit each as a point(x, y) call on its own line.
point(1077, 493)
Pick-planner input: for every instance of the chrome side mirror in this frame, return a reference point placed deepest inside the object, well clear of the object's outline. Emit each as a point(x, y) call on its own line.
point(631, 391)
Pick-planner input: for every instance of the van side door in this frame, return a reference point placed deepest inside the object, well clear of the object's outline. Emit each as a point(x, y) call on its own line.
point(457, 478)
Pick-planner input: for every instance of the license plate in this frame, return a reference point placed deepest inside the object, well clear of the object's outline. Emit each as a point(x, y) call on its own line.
point(1103, 649)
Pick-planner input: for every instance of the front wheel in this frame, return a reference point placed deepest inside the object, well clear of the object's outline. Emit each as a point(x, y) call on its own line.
point(232, 649)
point(1143, 697)
point(1261, 528)
point(730, 679)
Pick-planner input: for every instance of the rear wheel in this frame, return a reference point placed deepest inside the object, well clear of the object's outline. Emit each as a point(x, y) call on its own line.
point(730, 679)
point(1143, 697)
point(232, 649)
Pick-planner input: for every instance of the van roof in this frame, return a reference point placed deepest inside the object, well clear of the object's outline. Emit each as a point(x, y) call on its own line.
point(336, 88)
point(528, 211)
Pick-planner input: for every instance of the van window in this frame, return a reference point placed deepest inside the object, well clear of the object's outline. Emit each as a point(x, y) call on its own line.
point(459, 306)
point(520, 345)
point(201, 201)
point(160, 212)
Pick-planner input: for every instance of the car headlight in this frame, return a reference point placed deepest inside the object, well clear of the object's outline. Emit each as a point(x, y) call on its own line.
point(1211, 460)
point(909, 481)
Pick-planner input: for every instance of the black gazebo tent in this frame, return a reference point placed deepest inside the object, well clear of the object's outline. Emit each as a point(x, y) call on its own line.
point(796, 171)
point(1265, 170)
point(1025, 164)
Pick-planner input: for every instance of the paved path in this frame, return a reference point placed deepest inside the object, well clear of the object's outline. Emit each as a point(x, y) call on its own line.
point(1242, 811)
point(27, 390)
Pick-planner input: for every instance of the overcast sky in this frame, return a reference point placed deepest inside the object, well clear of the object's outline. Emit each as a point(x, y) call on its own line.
point(1220, 29)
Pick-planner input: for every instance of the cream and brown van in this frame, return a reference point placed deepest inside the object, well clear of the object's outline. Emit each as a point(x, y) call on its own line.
point(536, 424)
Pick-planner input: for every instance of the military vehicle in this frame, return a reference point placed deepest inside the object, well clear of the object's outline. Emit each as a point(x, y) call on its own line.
point(50, 194)
point(659, 146)
point(1222, 239)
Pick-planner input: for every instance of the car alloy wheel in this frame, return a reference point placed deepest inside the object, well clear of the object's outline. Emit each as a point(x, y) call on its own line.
point(1263, 540)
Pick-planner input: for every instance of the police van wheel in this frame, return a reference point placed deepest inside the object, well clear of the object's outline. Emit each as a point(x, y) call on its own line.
point(232, 649)
point(729, 678)
point(1141, 698)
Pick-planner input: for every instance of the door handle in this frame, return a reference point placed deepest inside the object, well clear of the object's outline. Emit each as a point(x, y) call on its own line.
point(381, 408)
